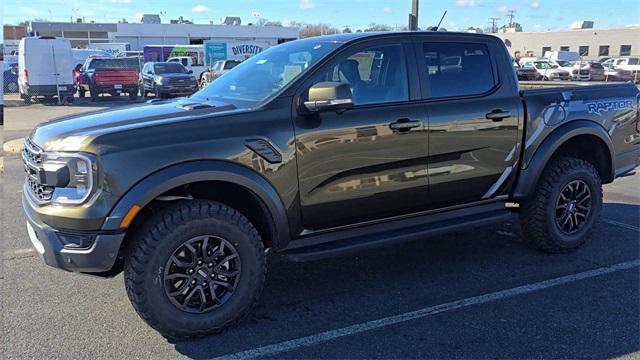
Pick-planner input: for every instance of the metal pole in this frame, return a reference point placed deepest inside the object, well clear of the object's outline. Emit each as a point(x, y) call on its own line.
point(413, 17)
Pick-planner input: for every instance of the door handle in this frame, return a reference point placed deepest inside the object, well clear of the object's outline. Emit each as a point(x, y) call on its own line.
point(498, 115)
point(404, 125)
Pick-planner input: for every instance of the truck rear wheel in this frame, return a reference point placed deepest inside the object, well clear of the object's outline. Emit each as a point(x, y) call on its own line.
point(195, 268)
point(561, 214)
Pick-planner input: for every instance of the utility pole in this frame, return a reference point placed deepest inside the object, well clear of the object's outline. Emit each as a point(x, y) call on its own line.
point(494, 26)
point(413, 17)
point(511, 15)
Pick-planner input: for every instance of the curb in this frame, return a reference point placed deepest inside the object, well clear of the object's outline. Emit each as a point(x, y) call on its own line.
point(13, 146)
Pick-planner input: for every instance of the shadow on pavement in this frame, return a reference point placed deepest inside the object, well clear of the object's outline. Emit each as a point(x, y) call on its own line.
point(305, 299)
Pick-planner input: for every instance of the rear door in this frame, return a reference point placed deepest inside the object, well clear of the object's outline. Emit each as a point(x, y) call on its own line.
point(473, 117)
point(352, 165)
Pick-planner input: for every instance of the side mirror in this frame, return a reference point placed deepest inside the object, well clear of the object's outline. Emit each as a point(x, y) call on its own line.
point(329, 95)
point(190, 72)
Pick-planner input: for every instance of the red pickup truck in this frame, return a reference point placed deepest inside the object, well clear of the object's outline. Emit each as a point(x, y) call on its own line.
point(115, 76)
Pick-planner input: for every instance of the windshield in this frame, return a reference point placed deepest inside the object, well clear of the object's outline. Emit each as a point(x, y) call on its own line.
point(121, 63)
point(261, 76)
point(563, 63)
point(169, 68)
point(544, 65)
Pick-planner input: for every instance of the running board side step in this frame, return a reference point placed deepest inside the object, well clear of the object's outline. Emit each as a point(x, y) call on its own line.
point(350, 243)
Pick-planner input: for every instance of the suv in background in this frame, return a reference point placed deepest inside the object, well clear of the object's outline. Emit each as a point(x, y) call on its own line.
point(546, 69)
point(629, 63)
point(167, 79)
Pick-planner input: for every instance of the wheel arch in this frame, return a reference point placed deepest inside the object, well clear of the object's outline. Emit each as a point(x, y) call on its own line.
point(568, 139)
point(203, 171)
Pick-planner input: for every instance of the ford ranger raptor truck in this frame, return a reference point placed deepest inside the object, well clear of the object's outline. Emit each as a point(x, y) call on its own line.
point(315, 148)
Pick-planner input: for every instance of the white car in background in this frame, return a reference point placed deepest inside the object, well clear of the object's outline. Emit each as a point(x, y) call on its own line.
point(546, 69)
point(576, 72)
point(629, 63)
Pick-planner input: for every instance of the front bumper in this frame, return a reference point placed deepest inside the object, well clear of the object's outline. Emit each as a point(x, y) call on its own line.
point(178, 90)
point(100, 257)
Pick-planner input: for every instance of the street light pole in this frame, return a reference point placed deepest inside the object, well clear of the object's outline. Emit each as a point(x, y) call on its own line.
point(413, 17)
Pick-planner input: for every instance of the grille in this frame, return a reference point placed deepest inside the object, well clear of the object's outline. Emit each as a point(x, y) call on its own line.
point(179, 82)
point(584, 72)
point(32, 159)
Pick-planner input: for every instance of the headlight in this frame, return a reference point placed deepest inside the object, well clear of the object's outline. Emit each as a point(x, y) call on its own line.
point(71, 175)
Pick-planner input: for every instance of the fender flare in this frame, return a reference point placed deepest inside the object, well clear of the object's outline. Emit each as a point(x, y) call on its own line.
point(528, 178)
point(168, 178)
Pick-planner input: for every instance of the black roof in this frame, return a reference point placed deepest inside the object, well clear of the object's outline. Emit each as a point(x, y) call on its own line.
point(344, 38)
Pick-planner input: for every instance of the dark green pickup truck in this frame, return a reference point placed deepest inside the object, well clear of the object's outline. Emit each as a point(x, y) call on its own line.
point(314, 148)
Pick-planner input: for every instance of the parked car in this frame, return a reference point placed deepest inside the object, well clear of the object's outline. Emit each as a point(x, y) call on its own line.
point(546, 69)
point(186, 195)
point(10, 77)
point(167, 79)
point(188, 62)
point(45, 68)
point(573, 68)
point(218, 69)
point(630, 63)
point(596, 70)
point(114, 76)
point(562, 55)
point(529, 73)
point(612, 73)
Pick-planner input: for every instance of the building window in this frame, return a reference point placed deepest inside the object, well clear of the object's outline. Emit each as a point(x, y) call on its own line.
point(583, 51)
point(625, 50)
point(545, 49)
point(565, 48)
point(603, 50)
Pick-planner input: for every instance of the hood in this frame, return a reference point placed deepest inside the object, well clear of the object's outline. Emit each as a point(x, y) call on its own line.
point(76, 132)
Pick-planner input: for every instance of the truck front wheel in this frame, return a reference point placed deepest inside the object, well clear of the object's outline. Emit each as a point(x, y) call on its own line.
point(195, 268)
point(560, 216)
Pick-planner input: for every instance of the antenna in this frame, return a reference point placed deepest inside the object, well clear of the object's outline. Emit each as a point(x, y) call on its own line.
point(440, 22)
point(494, 26)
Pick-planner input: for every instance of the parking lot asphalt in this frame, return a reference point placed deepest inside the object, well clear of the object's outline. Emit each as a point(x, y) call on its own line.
point(473, 294)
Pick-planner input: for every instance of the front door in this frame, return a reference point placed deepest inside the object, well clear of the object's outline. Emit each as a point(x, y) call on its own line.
point(353, 166)
point(473, 122)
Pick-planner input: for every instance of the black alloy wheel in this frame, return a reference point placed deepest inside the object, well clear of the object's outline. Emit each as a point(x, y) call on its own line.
point(573, 207)
point(202, 274)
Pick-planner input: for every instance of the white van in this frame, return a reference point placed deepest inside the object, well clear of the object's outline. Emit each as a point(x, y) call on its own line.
point(562, 55)
point(45, 68)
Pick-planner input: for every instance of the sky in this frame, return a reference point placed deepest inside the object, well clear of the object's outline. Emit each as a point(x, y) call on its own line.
point(534, 15)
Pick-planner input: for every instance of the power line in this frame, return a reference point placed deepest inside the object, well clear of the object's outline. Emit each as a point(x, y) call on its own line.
point(494, 24)
point(511, 14)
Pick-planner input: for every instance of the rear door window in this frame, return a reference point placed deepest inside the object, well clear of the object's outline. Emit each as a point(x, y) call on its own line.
point(458, 69)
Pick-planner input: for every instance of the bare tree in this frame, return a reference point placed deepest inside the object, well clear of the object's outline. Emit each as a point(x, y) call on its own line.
point(378, 27)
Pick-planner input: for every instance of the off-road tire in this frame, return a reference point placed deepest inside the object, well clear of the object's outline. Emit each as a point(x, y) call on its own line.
point(538, 213)
point(154, 243)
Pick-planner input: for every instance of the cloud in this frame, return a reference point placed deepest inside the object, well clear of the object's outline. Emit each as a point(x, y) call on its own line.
point(306, 4)
point(200, 9)
point(535, 5)
point(29, 11)
point(120, 1)
point(466, 3)
point(387, 9)
point(503, 8)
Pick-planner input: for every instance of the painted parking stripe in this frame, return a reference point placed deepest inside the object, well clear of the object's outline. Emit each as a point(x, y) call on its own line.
point(315, 339)
point(620, 224)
